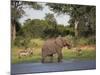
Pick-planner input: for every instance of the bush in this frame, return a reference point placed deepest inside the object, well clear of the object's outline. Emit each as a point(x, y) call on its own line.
point(18, 41)
point(21, 41)
point(92, 40)
point(70, 39)
point(38, 42)
point(86, 41)
point(81, 40)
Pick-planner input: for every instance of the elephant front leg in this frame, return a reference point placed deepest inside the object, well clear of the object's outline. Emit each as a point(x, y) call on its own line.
point(51, 58)
point(60, 57)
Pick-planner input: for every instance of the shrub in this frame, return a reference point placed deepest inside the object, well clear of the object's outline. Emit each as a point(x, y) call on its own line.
point(92, 40)
point(81, 40)
point(18, 41)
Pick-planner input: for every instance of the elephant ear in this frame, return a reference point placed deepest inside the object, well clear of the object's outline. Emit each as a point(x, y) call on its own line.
point(59, 42)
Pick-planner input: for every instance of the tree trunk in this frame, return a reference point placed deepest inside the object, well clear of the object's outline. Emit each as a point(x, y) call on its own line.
point(13, 32)
point(76, 33)
point(76, 28)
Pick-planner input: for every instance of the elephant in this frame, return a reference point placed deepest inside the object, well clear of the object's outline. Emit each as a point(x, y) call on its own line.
point(54, 46)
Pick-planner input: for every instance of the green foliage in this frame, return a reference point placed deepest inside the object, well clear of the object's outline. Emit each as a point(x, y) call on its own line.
point(50, 18)
point(84, 15)
point(41, 28)
point(92, 40)
point(17, 11)
point(86, 41)
point(34, 28)
point(37, 42)
point(17, 42)
point(52, 31)
point(17, 8)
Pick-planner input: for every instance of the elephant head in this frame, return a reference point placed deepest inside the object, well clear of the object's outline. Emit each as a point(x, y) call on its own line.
point(63, 42)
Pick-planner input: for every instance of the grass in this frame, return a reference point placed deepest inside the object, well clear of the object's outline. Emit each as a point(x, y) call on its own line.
point(36, 57)
point(85, 55)
point(68, 54)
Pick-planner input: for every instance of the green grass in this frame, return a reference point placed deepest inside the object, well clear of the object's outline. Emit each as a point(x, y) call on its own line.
point(85, 55)
point(36, 57)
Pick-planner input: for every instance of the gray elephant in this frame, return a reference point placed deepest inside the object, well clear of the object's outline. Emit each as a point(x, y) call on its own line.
point(54, 46)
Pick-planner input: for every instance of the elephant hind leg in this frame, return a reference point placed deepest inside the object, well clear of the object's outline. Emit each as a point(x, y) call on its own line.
point(43, 60)
point(51, 58)
point(59, 59)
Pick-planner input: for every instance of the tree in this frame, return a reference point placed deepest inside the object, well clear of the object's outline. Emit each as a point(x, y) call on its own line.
point(17, 11)
point(84, 19)
point(81, 16)
point(34, 28)
point(51, 19)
